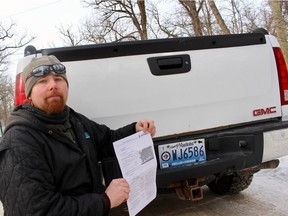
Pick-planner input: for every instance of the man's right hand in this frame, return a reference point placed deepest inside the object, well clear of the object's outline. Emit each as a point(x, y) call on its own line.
point(118, 192)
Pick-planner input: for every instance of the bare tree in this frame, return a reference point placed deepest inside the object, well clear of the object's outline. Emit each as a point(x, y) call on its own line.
point(117, 20)
point(165, 24)
point(193, 12)
point(143, 20)
point(6, 97)
point(69, 37)
point(237, 21)
point(218, 17)
point(10, 42)
point(115, 15)
point(97, 30)
point(279, 8)
point(225, 17)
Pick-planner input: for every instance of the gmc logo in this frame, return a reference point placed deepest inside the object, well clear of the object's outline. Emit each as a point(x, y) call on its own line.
point(265, 111)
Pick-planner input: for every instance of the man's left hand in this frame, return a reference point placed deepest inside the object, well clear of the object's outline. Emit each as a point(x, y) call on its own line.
point(146, 126)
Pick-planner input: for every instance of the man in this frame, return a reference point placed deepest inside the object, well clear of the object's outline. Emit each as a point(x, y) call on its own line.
point(49, 154)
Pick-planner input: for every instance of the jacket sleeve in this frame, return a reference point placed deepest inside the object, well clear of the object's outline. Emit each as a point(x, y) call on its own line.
point(27, 185)
point(106, 136)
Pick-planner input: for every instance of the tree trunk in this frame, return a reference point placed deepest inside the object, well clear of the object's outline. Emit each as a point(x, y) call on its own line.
point(190, 7)
point(218, 17)
point(280, 27)
point(141, 6)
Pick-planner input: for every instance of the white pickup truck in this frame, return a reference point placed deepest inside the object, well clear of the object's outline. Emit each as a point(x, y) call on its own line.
point(220, 103)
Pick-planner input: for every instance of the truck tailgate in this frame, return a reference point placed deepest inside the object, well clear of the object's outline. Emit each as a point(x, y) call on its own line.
point(225, 86)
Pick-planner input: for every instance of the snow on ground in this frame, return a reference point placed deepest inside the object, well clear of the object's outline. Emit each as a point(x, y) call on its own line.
point(271, 183)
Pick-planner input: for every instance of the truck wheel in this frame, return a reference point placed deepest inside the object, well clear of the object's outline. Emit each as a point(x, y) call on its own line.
point(230, 184)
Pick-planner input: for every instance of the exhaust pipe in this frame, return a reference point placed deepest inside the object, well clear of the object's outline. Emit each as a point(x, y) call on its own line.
point(266, 165)
point(270, 164)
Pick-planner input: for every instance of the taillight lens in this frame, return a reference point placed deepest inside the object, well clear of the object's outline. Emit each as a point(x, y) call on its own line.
point(282, 74)
point(19, 90)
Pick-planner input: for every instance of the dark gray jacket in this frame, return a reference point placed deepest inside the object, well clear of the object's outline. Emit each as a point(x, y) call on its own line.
point(42, 172)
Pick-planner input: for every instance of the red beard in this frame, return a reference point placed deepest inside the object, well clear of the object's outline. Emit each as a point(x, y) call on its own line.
point(54, 103)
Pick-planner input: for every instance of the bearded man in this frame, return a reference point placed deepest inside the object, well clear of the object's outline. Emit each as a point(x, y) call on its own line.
point(50, 154)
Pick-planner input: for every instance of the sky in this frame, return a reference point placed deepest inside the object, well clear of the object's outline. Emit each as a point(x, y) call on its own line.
point(40, 19)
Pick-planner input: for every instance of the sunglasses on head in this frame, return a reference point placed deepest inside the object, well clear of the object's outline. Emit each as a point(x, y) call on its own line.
point(44, 70)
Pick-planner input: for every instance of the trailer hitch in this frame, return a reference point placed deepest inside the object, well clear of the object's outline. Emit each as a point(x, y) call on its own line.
point(189, 189)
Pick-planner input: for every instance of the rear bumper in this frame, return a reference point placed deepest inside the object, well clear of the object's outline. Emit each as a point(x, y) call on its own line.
point(227, 151)
point(230, 150)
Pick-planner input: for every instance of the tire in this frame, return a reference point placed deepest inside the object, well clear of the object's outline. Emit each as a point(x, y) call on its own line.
point(230, 184)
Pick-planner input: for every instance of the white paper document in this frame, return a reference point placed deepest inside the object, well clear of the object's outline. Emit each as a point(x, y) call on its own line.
point(138, 164)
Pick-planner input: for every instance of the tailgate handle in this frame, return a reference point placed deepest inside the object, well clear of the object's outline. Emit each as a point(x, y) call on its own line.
point(168, 65)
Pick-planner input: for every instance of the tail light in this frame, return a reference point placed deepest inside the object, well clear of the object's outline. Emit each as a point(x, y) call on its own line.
point(19, 90)
point(282, 74)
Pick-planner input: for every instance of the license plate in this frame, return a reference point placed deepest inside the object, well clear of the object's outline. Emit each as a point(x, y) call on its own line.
point(181, 153)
